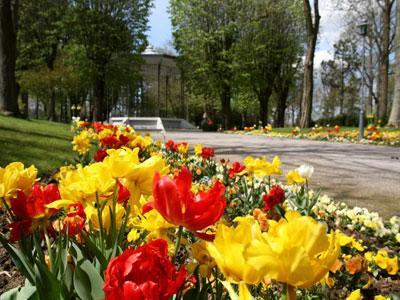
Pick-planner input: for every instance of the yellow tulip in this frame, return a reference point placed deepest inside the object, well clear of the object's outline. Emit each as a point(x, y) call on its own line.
point(203, 258)
point(294, 177)
point(198, 149)
point(139, 180)
point(228, 247)
point(15, 177)
point(92, 216)
point(296, 251)
point(121, 161)
point(83, 184)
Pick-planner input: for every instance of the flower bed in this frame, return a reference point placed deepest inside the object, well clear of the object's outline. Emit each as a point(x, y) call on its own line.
point(374, 135)
point(138, 219)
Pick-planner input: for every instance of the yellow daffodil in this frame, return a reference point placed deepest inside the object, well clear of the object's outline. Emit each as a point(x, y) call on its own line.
point(198, 149)
point(293, 177)
point(81, 142)
point(183, 148)
point(228, 247)
point(15, 177)
point(121, 161)
point(380, 297)
point(355, 295)
point(296, 251)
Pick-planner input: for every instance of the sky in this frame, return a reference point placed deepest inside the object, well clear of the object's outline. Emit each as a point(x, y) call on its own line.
point(332, 24)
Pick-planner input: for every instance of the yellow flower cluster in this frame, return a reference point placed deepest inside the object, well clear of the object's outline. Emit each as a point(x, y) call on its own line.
point(384, 261)
point(261, 167)
point(81, 142)
point(296, 250)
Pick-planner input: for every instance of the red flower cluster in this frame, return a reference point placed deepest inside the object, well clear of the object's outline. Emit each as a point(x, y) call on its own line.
point(146, 273)
point(171, 146)
point(75, 220)
point(275, 196)
point(114, 141)
point(27, 209)
point(236, 168)
point(100, 126)
point(100, 155)
point(175, 201)
point(207, 153)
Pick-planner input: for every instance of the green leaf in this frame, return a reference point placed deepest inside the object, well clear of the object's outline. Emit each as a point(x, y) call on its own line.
point(88, 282)
point(47, 284)
point(19, 259)
point(20, 293)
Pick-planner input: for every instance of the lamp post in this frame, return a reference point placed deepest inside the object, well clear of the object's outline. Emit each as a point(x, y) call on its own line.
point(363, 31)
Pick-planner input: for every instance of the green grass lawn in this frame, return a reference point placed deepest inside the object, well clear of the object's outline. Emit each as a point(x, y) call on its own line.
point(45, 144)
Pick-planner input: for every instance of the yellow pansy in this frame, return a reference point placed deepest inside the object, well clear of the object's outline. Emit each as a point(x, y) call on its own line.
point(345, 240)
point(121, 161)
point(297, 251)
point(384, 262)
point(228, 247)
point(355, 295)
point(81, 142)
point(198, 149)
point(141, 142)
point(294, 177)
point(15, 177)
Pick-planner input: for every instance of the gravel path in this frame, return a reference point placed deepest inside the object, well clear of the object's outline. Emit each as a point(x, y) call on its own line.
point(360, 175)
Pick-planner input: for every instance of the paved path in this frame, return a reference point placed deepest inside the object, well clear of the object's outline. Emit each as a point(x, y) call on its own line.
point(360, 175)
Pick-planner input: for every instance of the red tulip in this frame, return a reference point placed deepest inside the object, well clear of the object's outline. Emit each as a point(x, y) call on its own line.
point(146, 273)
point(75, 220)
point(237, 167)
point(175, 201)
point(32, 207)
point(275, 196)
point(207, 152)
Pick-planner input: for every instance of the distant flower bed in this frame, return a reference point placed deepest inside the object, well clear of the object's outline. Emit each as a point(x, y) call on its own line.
point(373, 134)
point(141, 219)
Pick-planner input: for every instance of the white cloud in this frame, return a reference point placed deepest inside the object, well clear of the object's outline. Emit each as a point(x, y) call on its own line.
point(321, 55)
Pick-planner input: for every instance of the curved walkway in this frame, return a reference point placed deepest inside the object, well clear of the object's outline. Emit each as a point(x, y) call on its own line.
point(360, 175)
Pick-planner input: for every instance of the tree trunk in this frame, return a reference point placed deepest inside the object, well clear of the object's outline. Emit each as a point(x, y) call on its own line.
point(370, 99)
point(384, 58)
point(281, 107)
point(8, 40)
point(312, 35)
point(226, 105)
point(37, 108)
point(394, 119)
point(98, 97)
point(25, 104)
point(51, 113)
point(263, 98)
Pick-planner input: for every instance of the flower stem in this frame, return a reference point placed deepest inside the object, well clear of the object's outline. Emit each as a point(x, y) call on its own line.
point(177, 243)
point(290, 292)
